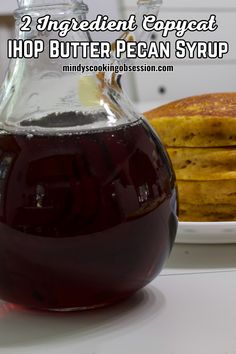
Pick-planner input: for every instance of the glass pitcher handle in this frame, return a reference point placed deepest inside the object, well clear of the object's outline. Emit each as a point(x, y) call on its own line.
point(145, 7)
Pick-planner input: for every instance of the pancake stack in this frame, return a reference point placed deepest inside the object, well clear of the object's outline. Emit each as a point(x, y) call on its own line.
point(200, 136)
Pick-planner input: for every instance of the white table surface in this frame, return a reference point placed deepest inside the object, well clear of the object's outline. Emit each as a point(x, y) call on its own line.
point(190, 308)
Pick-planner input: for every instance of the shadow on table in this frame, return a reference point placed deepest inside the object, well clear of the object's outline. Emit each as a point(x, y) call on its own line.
point(21, 327)
point(203, 257)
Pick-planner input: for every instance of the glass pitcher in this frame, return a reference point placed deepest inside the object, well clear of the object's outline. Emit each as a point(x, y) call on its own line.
point(87, 193)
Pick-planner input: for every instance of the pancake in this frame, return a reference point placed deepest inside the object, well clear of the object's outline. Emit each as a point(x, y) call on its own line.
point(203, 164)
point(208, 212)
point(207, 192)
point(199, 121)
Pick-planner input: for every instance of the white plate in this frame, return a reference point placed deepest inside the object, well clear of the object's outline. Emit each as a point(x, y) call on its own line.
point(207, 232)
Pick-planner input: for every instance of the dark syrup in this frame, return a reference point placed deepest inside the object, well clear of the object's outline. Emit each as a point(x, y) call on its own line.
point(85, 219)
